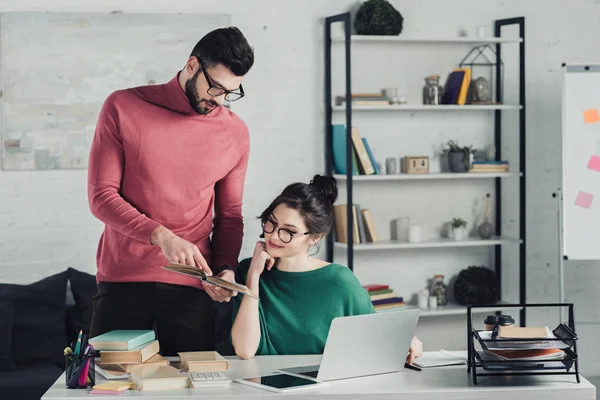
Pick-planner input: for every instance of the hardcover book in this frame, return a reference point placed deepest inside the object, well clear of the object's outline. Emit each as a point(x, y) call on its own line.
point(212, 280)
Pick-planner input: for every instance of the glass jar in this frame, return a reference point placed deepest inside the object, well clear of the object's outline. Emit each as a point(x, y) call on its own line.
point(438, 289)
point(432, 91)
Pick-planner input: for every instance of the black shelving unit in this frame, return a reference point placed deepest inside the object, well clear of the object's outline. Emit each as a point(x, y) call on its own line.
point(345, 19)
point(565, 338)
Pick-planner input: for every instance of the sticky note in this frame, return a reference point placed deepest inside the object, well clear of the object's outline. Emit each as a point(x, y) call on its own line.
point(584, 199)
point(591, 116)
point(594, 163)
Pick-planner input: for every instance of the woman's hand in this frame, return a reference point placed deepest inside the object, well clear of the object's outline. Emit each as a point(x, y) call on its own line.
point(415, 351)
point(260, 259)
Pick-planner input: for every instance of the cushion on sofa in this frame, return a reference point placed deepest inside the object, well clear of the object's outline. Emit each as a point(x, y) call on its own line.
point(39, 328)
point(29, 382)
point(79, 315)
point(7, 314)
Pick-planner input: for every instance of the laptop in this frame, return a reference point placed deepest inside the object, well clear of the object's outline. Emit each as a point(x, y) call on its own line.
point(363, 345)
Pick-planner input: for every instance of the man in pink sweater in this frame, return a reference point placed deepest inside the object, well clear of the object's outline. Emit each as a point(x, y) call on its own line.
point(163, 157)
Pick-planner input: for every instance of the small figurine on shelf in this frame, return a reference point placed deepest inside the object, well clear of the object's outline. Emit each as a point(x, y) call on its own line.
point(459, 228)
point(438, 289)
point(485, 229)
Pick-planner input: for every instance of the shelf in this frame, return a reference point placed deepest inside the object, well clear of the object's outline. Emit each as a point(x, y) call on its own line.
point(450, 309)
point(436, 175)
point(395, 245)
point(456, 309)
point(433, 40)
point(423, 107)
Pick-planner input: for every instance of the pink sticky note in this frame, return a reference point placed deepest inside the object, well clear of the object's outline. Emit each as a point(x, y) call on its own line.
point(584, 199)
point(594, 163)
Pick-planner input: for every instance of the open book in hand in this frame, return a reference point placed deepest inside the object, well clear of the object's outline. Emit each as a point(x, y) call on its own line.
point(213, 280)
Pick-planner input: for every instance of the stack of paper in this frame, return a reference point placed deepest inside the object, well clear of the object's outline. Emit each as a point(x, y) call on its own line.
point(440, 358)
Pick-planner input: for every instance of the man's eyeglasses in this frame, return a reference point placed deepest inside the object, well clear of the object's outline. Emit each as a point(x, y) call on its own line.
point(214, 90)
point(285, 235)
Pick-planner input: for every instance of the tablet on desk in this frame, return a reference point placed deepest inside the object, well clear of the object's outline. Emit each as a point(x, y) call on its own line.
point(281, 383)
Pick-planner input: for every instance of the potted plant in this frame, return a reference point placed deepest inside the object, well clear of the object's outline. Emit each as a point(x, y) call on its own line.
point(459, 158)
point(459, 228)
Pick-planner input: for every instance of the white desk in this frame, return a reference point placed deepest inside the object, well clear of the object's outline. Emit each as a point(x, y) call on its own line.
point(447, 383)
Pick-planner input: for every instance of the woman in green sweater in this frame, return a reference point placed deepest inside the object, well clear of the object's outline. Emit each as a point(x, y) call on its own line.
point(299, 295)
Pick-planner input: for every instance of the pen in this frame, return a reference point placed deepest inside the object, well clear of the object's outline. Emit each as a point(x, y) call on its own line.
point(413, 367)
point(78, 345)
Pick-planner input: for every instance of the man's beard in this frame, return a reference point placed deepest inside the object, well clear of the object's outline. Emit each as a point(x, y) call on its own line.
point(200, 105)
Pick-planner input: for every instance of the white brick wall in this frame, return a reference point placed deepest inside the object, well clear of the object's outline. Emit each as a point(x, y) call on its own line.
point(45, 224)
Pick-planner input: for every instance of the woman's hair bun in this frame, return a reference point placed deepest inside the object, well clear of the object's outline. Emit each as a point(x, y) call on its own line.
point(328, 185)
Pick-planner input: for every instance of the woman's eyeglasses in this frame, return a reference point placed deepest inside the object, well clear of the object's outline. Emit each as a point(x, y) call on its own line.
point(285, 235)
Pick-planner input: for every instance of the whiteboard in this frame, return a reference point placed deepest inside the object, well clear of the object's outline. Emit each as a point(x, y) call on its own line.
point(581, 162)
point(58, 68)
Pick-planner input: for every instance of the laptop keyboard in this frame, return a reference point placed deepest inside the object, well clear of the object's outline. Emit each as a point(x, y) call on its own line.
point(312, 374)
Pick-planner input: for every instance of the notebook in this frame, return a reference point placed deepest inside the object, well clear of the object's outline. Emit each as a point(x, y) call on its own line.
point(138, 354)
point(122, 339)
point(158, 378)
point(202, 361)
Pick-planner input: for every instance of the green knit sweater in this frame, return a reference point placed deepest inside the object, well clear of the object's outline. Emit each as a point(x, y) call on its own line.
point(296, 308)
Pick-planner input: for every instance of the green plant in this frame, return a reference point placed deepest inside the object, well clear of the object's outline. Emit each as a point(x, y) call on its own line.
point(455, 148)
point(378, 17)
point(458, 222)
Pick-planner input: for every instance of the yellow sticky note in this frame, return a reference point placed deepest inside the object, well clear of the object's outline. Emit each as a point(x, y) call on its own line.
point(591, 116)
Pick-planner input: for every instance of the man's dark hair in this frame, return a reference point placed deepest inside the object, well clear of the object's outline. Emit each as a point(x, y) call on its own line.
point(226, 46)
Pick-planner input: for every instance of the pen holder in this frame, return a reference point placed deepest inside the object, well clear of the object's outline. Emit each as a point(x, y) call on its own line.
point(80, 371)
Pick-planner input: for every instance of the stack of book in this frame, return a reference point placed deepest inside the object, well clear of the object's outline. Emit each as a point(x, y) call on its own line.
point(489, 166)
point(121, 350)
point(384, 298)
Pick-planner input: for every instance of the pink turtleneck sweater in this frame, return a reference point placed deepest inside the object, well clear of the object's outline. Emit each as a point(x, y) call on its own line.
point(154, 161)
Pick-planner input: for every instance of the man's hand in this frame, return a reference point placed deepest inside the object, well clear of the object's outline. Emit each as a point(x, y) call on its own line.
point(219, 294)
point(178, 250)
point(415, 351)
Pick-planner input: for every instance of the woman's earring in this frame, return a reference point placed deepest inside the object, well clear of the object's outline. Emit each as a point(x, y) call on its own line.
point(316, 252)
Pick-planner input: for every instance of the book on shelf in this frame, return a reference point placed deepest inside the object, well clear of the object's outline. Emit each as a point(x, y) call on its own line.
point(366, 99)
point(371, 157)
point(122, 339)
point(209, 279)
point(489, 166)
point(138, 354)
point(341, 224)
point(203, 361)
point(382, 296)
point(338, 147)
point(370, 229)
point(391, 300)
point(363, 161)
point(153, 377)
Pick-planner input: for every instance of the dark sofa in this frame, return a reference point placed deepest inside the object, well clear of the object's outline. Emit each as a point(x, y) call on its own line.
point(37, 321)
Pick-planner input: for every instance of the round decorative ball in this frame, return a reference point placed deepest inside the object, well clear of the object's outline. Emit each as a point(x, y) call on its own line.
point(476, 285)
point(378, 17)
